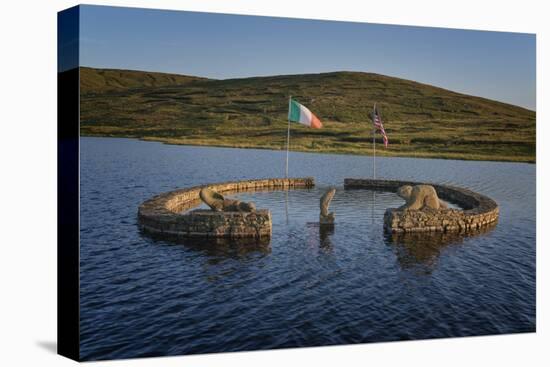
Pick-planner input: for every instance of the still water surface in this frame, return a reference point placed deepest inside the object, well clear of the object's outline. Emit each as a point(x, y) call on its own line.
point(142, 296)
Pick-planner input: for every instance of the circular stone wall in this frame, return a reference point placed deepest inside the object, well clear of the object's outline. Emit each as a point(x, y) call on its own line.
point(478, 210)
point(162, 213)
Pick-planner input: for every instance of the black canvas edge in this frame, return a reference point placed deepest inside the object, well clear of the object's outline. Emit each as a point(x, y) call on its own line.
point(68, 186)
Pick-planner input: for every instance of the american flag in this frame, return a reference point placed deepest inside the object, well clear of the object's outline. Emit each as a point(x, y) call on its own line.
point(379, 126)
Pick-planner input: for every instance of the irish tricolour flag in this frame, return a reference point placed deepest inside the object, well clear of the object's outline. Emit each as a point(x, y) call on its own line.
point(300, 113)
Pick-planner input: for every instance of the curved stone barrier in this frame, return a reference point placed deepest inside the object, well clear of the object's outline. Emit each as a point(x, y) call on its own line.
point(478, 210)
point(162, 214)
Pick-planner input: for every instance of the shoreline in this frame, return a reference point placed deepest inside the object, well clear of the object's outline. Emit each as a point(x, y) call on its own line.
point(379, 153)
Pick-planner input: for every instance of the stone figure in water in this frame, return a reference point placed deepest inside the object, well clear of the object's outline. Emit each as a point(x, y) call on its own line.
point(420, 197)
point(325, 217)
point(217, 202)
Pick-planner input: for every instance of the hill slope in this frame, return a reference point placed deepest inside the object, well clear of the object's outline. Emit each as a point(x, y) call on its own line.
point(421, 120)
point(109, 80)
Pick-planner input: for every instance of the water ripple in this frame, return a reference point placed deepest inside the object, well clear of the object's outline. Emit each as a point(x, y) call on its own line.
point(142, 296)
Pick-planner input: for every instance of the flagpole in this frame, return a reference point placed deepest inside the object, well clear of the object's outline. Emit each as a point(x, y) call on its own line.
point(373, 144)
point(288, 135)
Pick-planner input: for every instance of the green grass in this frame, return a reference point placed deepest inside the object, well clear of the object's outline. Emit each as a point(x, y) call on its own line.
point(421, 120)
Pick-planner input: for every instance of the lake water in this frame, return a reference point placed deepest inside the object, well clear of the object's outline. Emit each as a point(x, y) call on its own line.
point(142, 296)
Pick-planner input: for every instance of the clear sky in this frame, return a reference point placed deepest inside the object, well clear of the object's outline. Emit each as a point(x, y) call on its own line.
point(495, 65)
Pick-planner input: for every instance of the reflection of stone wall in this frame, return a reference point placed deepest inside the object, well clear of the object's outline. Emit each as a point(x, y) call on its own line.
point(479, 210)
point(161, 214)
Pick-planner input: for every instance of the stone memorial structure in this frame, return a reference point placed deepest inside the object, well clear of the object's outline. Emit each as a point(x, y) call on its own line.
point(162, 214)
point(477, 211)
point(420, 197)
point(326, 218)
point(218, 203)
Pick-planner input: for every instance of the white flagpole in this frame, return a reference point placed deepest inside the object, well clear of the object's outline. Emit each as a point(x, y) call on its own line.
point(288, 135)
point(374, 144)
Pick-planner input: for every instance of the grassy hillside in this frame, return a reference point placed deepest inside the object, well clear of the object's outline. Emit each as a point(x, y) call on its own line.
point(109, 80)
point(421, 120)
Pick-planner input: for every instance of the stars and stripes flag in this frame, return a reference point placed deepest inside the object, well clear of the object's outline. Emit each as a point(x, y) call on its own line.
point(377, 120)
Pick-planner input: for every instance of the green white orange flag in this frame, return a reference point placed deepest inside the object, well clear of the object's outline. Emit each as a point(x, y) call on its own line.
point(300, 113)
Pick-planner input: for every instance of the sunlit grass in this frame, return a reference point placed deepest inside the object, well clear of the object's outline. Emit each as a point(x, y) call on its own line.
point(421, 120)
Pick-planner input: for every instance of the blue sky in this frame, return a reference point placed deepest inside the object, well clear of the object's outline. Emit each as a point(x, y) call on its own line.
point(495, 65)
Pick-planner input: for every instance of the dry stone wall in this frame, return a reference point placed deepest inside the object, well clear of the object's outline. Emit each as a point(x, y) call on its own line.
point(162, 214)
point(477, 211)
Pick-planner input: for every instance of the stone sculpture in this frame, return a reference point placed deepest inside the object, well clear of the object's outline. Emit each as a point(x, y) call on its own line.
point(420, 197)
point(217, 202)
point(325, 217)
